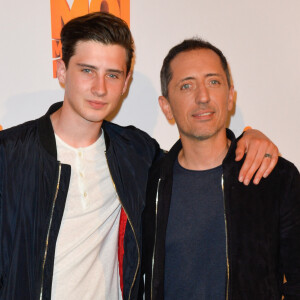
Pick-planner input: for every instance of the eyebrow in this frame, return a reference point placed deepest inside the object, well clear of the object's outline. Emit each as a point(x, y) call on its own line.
point(115, 71)
point(193, 78)
point(213, 74)
point(184, 79)
point(95, 68)
point(206, 75)
point(87, 66)
point(187, 78)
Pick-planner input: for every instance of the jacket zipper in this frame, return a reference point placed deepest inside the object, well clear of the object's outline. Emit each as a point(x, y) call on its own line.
point(226, 234)
point(156, 207)
point(48, 232)
point(129, 220)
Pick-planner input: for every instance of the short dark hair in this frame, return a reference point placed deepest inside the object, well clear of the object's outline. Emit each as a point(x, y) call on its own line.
point(188, 45)
point(100, 27)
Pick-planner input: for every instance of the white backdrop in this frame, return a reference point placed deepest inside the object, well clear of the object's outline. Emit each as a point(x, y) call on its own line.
point(261, 40)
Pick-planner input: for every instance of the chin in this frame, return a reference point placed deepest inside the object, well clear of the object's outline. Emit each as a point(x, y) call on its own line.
point(199, 135)
point(95, 118)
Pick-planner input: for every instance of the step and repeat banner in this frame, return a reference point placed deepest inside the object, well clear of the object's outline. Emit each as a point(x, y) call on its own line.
point(259, 38)
point(62, 12)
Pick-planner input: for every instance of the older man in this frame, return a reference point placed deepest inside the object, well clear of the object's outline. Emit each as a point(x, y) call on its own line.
point(207, 236)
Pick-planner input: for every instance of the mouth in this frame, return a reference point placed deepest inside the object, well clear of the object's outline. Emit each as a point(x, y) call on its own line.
point(206, 115)
point(96, 104)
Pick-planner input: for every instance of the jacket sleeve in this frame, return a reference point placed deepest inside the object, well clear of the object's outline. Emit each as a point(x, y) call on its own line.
point(290, 237)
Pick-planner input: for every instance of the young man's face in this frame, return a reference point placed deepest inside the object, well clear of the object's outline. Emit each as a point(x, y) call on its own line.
point(94, 80)
point(199, 96)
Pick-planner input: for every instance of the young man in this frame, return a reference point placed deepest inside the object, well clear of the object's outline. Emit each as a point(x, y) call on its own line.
point(207, 236)
point(73, 185)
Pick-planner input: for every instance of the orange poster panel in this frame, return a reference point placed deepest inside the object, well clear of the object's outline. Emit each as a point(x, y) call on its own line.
point(61, 13)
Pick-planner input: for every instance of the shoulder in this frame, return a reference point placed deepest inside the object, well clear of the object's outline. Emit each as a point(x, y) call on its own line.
point(286, 170)
point(18, 142)
point(284, 164)
point(18, 132)
point(118, 131)
point(130, 137)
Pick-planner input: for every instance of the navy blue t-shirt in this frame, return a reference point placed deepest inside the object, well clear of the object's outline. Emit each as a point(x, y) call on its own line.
point(195, 265)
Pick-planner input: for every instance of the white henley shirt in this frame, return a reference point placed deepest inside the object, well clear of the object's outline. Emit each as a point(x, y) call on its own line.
point(86, 255)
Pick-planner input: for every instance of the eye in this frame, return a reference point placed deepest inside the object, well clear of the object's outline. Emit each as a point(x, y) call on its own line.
point(88, 71)
point(215, 82)
point(186, 86)
point(113, 76)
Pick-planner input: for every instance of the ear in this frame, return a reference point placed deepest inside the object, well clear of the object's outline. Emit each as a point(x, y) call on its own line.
point(126, 83)
point(61, 71)
point(165, 107)
point(230, 98)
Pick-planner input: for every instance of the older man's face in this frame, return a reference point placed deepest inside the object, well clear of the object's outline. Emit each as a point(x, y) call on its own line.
point(199, 96)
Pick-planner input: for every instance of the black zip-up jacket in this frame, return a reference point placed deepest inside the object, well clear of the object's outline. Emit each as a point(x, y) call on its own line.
point(33, 191)
point(262, 225)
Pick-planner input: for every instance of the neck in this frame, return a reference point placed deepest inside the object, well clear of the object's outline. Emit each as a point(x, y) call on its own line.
point(203, 155)
point(75, 131)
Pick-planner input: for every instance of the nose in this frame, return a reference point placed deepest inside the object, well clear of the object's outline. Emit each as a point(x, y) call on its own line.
point(202, 95)
point(99, 88)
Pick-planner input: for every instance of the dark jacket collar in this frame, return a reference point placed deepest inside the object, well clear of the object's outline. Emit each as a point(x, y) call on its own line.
point(46, 132)
point(168, 162)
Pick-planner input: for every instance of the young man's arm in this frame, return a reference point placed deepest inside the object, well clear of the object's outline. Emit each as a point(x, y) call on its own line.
point(261, 156)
